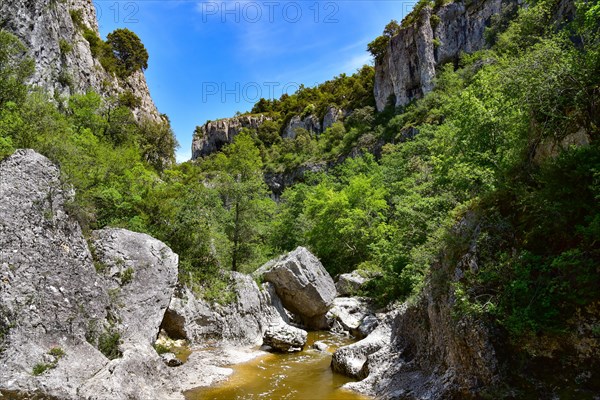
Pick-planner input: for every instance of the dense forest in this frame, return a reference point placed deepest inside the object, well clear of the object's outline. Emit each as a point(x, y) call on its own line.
point(508, 136)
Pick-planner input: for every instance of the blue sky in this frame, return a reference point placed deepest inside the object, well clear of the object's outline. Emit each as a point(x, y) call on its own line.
point(209, 59)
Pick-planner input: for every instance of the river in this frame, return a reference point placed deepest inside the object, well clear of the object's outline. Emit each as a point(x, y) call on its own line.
point(304, 375)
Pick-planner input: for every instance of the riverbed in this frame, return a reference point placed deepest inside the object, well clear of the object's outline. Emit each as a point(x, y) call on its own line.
point(304, 375)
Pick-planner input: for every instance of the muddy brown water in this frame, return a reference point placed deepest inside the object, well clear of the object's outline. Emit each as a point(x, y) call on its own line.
point(305, 375)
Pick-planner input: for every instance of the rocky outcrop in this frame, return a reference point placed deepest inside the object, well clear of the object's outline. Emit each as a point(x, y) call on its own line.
point(60, 303)
point(348, 315)
point(47, 275)
point(303, 284)
point(349, 284)
point(309, 123)
point(63, 58)
point(213, 135)
point(332, 115)
point(438, 36)
point(243, 322)
point(351, 360)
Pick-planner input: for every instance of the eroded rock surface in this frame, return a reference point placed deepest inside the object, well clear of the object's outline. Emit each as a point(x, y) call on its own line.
point(63, 59)
point(243, 322)
point(349, 284)
point(415, 54)
point(303, 284)
point(57, 303)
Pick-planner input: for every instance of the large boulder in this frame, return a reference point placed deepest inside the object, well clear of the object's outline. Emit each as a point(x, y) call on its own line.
point(351, 360)
point(285, 338)
point(242, 322)
point(348, 314)
point(349, 284)
point(303, 284)
point(141, 274)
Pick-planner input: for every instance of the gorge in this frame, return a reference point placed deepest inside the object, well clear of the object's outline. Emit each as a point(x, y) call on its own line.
point(424, 228)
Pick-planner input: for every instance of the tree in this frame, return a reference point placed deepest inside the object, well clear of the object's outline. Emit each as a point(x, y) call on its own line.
point(378, 47)
point(129, 51)
point(245, 196)
point(15, 68)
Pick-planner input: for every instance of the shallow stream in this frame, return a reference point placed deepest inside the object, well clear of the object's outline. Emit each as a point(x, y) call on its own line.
point(305, 375)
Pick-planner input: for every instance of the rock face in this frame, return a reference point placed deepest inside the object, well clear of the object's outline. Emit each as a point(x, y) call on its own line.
point(438, 36)
point(242, 322)
point(58, 298)
point(349, 284)
point(213, 135)
point(310, 123)
point(332, 116)
point(421, 350)
point(348, 314)
point(47, 28)
point(303, 284)
point(141, 272)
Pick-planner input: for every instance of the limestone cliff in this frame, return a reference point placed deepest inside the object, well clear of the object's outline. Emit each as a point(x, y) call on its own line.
point(213, 135)
point(63, 58)
point(438, 36)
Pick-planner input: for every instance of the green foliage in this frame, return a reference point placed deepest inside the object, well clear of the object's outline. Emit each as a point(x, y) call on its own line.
point(161, 348)
point(41, 367)
point(241, 185)
point(378, 47)
point(130, 53)
point(65, 47)
point(126, 276)
point(15, 68)
point(77, 18)
point(108, 343)
point(57, 352)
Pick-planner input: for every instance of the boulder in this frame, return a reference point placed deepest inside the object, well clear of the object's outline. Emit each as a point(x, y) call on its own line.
point(348, 313)
point(303, 284)
point(242, 322)
point(351, 360)
point(321, 346)
point(285, 338)
point(349, 284)
point(141, 274)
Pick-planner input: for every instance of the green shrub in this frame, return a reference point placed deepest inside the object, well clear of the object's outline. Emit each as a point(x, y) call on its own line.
point(126, 276)
point(77, 18)
point(40, 368)
point(161, 348)
point(108, 343)
point(65, 47)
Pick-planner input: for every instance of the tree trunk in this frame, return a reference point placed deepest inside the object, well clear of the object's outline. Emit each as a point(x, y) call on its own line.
point(236, 237)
